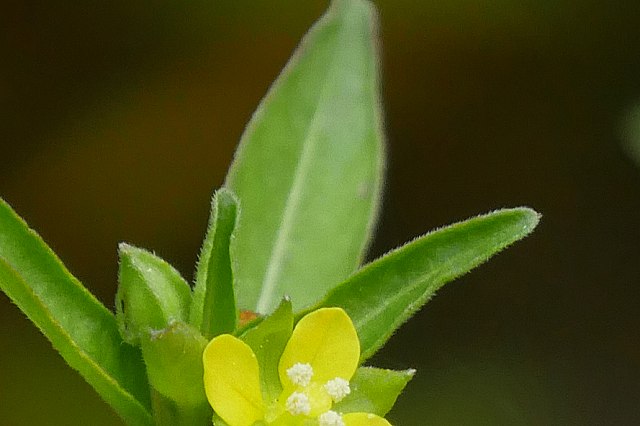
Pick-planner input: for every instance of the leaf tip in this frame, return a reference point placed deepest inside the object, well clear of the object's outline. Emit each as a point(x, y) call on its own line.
point(410, 372)
point(529, 217)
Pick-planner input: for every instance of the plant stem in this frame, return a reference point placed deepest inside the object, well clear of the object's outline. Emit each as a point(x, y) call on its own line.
point(168, 413)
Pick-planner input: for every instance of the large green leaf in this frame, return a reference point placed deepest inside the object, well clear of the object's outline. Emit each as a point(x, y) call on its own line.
point(213, 309)
point(309, 166)
point(385, 293)
point(79, 327)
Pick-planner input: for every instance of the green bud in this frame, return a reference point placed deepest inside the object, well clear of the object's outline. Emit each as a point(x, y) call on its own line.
point(151, 294)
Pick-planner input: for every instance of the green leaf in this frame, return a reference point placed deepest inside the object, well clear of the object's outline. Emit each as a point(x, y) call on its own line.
point(268, 340)
point(374, 390)
point(309, 166)
point(385, 293)
point(151, 294)
point(174, 364)
point(167, 412)
point(213, 310)
point(78, 326)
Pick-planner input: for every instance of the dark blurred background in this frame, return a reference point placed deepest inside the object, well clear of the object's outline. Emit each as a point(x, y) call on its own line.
point(118, 119)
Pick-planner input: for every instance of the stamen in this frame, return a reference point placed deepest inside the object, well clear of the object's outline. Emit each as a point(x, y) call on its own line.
point(331, 418)
point(300, 374)
point(337, 388)
point(298, 403)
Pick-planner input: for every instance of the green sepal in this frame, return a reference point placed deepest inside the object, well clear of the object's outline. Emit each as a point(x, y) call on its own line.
point(173, 357)
point(268, 340)
point(374, 390)
point(385, 293)
point(213, 310)
point(151, 294)
point(79, 327)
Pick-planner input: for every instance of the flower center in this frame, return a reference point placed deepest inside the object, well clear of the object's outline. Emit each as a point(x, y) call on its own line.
point(300, 374)
point(330, 418)
point(337, 389)
point(312, 400)
point(298, 403)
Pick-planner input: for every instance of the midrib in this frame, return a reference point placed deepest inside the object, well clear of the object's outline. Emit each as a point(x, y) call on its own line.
point(274, 266)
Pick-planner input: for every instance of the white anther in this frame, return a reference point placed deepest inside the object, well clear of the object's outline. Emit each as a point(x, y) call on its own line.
point(298, 403)
point(337, 389)
point(330, 418)
point(300, 374)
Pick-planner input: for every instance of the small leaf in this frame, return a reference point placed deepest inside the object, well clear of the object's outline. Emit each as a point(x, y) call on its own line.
point(213, 310)
point(173, 357)
point(267, 340)
point(78, 326)
point(364, 419)
point(309, 167)
point(151, 294)
point(374, 390)
point(385, 293)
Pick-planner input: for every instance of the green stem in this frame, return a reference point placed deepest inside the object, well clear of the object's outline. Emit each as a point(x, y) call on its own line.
point(167, 413)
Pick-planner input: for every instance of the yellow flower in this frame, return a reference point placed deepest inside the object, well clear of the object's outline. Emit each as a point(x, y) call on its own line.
point(315, 368)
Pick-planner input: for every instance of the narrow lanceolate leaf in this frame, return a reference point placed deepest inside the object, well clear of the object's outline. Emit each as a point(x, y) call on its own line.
point(151, 294)
point(213, 309)
point(309, 166)
point(374, 390)
point(79, 327)
point(385, 293)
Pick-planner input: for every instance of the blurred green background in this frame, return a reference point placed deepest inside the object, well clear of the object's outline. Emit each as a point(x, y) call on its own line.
point(118, 119)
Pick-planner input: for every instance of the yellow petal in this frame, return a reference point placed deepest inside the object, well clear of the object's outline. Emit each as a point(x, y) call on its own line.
point(364, 419)
point(320, 399)
point(327, 340)
point(232, 381)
